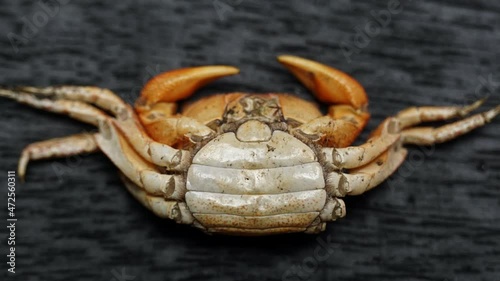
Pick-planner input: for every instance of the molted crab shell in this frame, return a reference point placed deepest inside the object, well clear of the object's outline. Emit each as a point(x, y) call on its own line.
point(243, 164)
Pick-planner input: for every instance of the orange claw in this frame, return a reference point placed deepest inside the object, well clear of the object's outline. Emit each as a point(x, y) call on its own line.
point(179, 84)
point(328, 84)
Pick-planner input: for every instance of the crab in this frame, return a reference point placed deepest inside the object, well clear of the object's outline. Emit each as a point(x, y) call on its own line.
point(239, 163)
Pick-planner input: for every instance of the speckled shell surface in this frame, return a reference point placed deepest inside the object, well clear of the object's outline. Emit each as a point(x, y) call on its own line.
point(239, 184)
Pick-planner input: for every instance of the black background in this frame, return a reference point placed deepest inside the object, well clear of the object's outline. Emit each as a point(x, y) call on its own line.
point(438, 218)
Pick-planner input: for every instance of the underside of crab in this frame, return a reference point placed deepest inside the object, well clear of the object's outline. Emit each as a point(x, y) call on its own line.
point(238, 163)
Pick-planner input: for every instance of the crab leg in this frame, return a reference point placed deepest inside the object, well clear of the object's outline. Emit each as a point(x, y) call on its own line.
point(153, 151)
point(158, 153)
point(367, 177)
point(370, 163)
point(139, 171)
point(55, 148)
point(357, 156)
point(74, 109)
point(335, 87)
point(164, 208)
point(114, 145)
point(102, 98)
point(430, 135)
point(415, 115)
point(163, 130)
point(363, 178)
point(390, 131)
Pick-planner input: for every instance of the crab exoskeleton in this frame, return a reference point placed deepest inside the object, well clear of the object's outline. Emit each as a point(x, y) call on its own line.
point(237, 163)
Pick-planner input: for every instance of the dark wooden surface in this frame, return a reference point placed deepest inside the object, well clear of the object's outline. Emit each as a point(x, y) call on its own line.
point(438, 218)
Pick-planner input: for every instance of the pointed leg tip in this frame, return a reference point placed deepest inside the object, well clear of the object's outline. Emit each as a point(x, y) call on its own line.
point(23, 164)
point(491, 114)
point(478, 103)
point(497, 109)
point(21, 174)
point(471, 107)
point(484, 99)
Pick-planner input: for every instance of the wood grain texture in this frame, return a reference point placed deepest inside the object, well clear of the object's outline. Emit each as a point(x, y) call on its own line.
point(438, 218)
